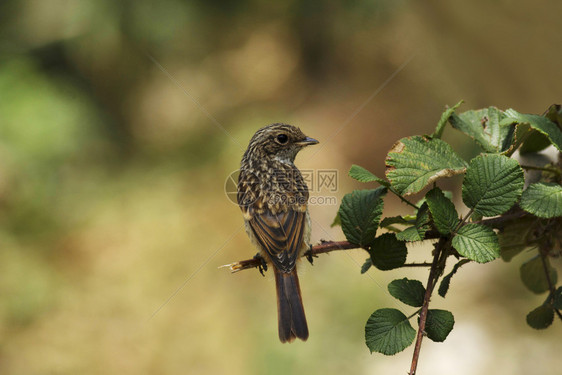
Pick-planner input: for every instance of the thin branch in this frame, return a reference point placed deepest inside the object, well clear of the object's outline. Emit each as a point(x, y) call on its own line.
point(432, 279)
point(324, 247)
point(393, 191)
point(423, 264)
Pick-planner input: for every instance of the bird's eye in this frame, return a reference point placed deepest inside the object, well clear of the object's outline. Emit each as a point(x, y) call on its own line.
point(282, 138)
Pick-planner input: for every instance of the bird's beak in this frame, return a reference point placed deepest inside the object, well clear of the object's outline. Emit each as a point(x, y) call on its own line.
point(307, 142)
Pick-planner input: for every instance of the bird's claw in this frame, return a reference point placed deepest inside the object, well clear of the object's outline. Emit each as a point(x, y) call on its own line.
point(309, 256)
point(263, 264)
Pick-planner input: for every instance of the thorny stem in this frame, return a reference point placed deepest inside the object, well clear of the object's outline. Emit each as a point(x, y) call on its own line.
point(402, 198)
point(432, 279)
point(324, 247)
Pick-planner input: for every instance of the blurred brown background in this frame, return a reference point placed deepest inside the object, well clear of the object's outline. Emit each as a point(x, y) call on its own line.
point(113, 216)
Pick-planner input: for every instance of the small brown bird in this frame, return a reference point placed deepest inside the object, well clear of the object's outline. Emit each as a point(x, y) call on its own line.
point(273, 196)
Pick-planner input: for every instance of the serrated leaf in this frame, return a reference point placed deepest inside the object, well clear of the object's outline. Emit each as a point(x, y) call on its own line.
point(543, 200)
point(409, 235)
point(438, 324)
point(410, 292)
point(365, 267)
point(485, 127)
point(492, 184)
point(388, 331)
point(540, 123)
point(533, 276)
point(387, 252)
point(541, 317)
point(445, 216)
point(477, 242)
point(535, 142)
point(557, 299)
point(421, 226)
point(362, 175)
point(447, 193)
point(514, 237)
point(360, 213)
point(423, 221)
point(446, 281)
point(415, 162)
point(554, 114)
point(444, 118)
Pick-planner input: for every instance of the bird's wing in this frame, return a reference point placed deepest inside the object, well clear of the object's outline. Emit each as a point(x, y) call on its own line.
point(280, 235)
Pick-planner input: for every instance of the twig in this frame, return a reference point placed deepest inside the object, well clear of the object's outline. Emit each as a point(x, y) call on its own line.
point(423, 264)
point(324, 247)
point(433, 275)
point(393, 191)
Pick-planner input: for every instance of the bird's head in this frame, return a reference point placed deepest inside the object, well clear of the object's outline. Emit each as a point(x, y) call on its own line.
point(279, 141)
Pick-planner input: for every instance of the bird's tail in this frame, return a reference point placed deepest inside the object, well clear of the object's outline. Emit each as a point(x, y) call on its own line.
point(290, 310)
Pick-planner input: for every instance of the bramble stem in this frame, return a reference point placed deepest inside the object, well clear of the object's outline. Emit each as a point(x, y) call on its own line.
point(324, 247)
point(432, 279)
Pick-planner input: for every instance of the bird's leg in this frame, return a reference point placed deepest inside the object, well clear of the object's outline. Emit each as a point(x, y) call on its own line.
point(263, 264)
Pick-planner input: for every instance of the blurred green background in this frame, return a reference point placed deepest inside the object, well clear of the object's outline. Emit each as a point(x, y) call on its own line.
point(113, 216)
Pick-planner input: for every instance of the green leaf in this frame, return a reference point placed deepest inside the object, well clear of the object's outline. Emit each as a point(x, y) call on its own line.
point(533, 276)
point(421, 226)
point(363, 175)
point(387, 252)
point(543, 200)
point(446, 281)
point(557, 299)
point(394, 220)
point(365, 267)
point(444, 118)
point(415, 162)
point(485, 127)
point(360, 213)
point(445, 217)
point(492, 184)
point(554, 114)
point(388, 331)
point(515, 237)
point(535, 142)
point(409, 235)
point(541, 317)
point(540, 123)
point(439, 324)
point(477, 242)
point(410, 292)
point(448, 194)
point(423, 221)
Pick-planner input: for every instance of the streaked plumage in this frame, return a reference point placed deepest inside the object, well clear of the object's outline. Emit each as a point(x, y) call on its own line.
point(273, 196)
